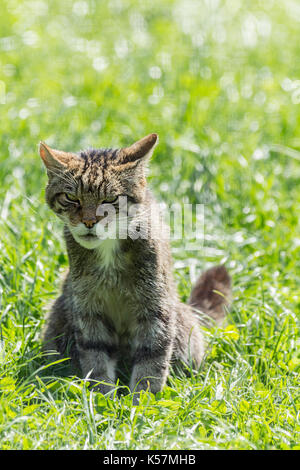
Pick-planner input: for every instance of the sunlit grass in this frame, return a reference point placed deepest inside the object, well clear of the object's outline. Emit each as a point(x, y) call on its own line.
point(219, 82)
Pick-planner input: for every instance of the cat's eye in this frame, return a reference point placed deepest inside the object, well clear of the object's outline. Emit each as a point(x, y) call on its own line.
point(110, 200)
point(72, 198)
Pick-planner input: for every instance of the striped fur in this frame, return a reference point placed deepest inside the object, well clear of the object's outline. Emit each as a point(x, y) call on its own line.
point(118, 298)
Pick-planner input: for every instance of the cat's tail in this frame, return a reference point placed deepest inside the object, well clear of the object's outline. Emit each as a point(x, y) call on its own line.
point(212, 294)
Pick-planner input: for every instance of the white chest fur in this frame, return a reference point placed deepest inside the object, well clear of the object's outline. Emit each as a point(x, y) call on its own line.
point(117, 304)
point(107, 253)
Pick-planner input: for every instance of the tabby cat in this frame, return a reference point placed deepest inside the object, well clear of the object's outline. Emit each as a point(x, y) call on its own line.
point(119, 299)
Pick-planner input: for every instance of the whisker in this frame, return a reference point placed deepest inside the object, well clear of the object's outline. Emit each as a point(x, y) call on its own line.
point(67, 177)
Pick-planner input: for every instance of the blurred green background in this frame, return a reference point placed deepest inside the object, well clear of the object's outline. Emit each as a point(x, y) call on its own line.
point(219, 81)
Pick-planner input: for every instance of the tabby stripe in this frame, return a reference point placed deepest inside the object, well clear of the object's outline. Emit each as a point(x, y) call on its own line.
point(145, 353)
point(159, 315)
point(110, 349)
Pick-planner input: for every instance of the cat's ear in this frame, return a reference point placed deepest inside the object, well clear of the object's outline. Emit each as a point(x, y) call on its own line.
point(54, 159)
point(140, 151)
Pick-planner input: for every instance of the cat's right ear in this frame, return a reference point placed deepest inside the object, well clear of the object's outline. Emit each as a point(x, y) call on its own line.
point(54, 160)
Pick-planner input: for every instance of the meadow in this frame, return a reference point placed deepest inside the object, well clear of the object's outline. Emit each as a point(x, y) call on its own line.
point(219, 81)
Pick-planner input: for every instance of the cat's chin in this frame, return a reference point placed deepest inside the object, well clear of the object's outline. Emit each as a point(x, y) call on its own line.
point(91, 242)
point(90, 239)
point(88, 242)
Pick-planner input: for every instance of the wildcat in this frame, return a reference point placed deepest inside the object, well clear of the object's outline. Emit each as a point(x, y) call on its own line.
point(119, 299)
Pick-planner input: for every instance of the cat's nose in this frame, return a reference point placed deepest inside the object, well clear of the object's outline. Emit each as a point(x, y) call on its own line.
point(89, 223)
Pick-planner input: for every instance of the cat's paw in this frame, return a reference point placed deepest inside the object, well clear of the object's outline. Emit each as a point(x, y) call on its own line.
point(136, 399)
point(102, 387)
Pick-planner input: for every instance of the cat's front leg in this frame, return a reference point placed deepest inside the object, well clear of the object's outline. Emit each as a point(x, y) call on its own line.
point(152, 350)
point(98, 363)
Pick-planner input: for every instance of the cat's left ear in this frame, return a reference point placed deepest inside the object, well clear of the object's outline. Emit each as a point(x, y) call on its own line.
point(139, 152)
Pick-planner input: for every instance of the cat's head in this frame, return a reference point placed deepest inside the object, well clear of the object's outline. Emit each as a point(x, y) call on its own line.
point(80, 186)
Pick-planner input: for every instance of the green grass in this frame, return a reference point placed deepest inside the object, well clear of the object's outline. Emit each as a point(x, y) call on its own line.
point(218, 82)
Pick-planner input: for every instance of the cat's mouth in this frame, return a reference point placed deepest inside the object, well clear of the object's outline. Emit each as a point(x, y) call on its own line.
point(88, 236)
